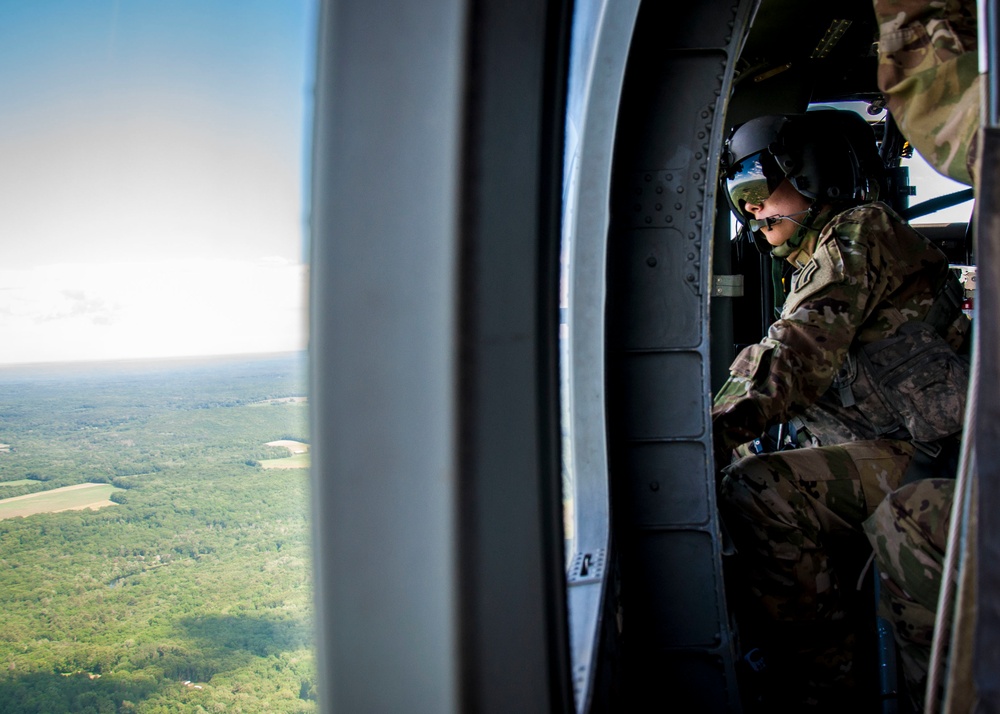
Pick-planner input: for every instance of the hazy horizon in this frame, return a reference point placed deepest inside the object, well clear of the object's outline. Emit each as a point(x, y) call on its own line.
point(129, 363)
point(152, 193)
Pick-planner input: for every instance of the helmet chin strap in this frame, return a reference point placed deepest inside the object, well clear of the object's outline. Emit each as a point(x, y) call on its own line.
point(761, 224)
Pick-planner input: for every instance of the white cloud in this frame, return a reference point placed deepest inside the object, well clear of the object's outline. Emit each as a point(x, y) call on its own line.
point(131, 310)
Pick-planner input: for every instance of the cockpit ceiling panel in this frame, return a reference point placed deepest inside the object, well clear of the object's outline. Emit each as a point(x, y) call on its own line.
point(828, 49)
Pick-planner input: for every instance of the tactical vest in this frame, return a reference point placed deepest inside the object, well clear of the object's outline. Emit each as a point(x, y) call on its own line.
point(913, 384)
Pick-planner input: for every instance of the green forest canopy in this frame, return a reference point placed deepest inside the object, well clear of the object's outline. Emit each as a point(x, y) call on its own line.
point(193, 593)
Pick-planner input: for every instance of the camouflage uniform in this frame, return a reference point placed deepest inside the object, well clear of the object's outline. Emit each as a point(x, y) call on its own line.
point(909, 532)
point(928, 71)
point(929, 75)
point(862, 274)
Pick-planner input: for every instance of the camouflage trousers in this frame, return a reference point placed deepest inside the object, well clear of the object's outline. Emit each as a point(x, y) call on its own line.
point(909, 533)
point(928, 72)
point(790, 513)
point(787, 510)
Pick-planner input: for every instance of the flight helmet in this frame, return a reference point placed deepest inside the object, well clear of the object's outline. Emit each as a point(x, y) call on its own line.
point(828, 155)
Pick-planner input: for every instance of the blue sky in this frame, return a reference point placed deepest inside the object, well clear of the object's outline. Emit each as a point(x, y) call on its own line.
point(152, 176)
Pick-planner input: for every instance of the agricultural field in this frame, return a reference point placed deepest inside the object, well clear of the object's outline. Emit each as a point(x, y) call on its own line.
point(67, 498)
point(189, 588)
point(298, 457)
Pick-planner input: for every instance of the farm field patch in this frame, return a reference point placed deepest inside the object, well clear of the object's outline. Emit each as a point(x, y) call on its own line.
point(68, 498)
point(194, 593)
point(298, 460)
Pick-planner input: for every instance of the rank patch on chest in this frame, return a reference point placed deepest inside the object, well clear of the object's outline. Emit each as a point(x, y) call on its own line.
point(804, 276)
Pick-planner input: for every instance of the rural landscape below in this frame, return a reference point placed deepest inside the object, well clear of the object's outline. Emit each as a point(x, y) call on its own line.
point(154, 537)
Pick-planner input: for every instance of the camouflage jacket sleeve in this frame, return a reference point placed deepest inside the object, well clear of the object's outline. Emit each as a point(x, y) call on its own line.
point(831, 297)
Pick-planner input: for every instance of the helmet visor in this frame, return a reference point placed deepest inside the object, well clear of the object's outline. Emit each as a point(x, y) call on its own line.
point(752, 180)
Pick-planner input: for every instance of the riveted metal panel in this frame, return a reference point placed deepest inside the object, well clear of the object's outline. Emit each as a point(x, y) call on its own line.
point(668, 485)
point(659, 286)
point(659, 315)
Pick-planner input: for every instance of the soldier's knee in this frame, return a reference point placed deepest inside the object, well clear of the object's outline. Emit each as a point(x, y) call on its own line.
point(919, 511)
point(909, 533)
point(750, 487)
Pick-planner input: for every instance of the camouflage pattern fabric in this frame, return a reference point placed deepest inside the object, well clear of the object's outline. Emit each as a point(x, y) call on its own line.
point(784, 508)
point(928, 71)
point(791, 513)
point(929, 75)
point(909, 533)
point(869, 274)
